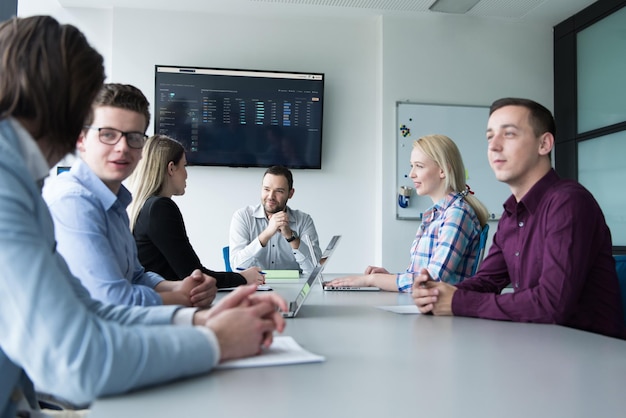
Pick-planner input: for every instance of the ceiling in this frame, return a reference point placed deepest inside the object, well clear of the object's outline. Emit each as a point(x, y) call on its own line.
point(526, 11)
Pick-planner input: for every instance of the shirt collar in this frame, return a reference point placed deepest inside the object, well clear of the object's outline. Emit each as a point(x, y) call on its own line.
point(533, 197)
point(441, 205)
point(445, 203)
point(34, 159)
point(88, 178)
point(259, 211)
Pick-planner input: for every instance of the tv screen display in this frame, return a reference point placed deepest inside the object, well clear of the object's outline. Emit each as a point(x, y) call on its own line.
point(242, 118)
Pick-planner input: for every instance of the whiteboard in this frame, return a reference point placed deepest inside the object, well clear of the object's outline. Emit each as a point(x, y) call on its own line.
point(466, 126)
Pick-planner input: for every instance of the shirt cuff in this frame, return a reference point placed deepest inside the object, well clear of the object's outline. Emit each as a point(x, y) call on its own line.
point(404, 281)
point(210, 335)
point(184, 316)
point(298, 255)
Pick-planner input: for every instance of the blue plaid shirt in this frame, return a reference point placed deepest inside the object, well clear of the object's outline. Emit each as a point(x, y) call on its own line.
point(446, 243)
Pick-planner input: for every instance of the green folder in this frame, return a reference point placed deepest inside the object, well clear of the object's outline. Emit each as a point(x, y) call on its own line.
point(282, 274)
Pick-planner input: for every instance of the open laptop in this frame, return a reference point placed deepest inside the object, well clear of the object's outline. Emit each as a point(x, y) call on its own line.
point(322, 262)
point(295, 305)
point(326, 286)
point(324, 259)
point(330, 249)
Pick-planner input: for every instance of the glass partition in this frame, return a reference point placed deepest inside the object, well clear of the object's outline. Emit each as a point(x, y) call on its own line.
point(601, 169)
point(601, 66)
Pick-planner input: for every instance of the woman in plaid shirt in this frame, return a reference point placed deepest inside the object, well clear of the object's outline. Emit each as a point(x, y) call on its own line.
point(446, 242)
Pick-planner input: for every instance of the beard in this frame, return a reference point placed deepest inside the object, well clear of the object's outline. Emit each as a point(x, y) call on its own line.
point(277, 208)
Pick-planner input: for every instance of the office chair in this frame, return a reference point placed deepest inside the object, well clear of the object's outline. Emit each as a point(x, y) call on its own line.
point(226, 254)
point(481, 248)
point(620, 266)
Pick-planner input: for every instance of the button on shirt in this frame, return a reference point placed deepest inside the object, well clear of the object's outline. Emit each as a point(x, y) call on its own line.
point(446, 243)
point(93, 235)
point(555, 248)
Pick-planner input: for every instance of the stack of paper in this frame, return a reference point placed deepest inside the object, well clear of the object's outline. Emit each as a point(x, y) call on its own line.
point(284, 350)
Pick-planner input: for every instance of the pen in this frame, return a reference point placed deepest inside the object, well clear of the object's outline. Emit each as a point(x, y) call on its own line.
point(242, 269)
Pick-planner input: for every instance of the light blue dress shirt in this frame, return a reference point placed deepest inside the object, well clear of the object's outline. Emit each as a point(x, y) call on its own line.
point(93, 235)
point(246, 250)
point(51, 332)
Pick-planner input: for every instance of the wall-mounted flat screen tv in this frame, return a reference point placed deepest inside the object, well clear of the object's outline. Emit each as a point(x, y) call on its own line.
point(242, 118)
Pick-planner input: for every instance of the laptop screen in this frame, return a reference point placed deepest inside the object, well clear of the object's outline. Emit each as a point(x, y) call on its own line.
point(306, 289)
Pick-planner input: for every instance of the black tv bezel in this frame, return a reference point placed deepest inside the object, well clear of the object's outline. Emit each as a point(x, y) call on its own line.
point(280, 73)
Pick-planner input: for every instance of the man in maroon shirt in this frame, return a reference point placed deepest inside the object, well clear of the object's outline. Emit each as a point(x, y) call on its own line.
point(552, 244)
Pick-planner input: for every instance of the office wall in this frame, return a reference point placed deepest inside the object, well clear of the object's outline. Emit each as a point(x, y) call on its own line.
point(370, 63)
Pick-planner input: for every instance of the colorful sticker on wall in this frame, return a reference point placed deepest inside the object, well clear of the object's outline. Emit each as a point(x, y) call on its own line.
point(405, 131)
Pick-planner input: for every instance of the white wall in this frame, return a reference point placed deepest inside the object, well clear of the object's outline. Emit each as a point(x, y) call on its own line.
point(370, 63)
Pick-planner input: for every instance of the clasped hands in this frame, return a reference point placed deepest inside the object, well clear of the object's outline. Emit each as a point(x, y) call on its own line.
point(244, 321)
point(279, 222)
point(197, 289)
point(200, 289)
point(432, 296)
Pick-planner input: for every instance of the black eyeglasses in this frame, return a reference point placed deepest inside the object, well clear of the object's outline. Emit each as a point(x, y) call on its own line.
point(112, 136)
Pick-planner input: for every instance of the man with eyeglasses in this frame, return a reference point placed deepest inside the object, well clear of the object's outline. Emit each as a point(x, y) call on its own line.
point(88, 205)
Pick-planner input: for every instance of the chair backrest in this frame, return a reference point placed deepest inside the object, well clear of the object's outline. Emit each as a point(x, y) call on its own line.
point(226, 254)
point(620, 266)
point(481, 248)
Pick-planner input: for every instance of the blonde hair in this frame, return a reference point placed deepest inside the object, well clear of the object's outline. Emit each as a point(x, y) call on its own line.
point(151, 173)
point(443, 151)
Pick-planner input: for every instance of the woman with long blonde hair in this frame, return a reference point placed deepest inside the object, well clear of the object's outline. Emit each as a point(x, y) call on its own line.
point(447, 240)
point(157, 223)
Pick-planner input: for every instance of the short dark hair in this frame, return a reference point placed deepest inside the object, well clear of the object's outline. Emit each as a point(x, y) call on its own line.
point(49, 75)
point(541, 118)
point(123, 96)
point(279, 170)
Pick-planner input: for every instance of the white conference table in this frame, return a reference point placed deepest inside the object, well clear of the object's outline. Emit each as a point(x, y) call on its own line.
point(381, 364)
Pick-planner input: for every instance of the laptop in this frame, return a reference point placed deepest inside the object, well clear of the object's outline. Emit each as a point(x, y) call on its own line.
point(324, 259)
point(325, 284)
point(330, 249)
point(295, 306)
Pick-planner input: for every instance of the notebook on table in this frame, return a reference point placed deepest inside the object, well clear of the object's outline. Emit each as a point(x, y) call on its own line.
point(282, 276)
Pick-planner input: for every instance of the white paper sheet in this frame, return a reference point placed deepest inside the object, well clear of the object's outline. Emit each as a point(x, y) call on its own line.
point(401, 309)
point(284, 350)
